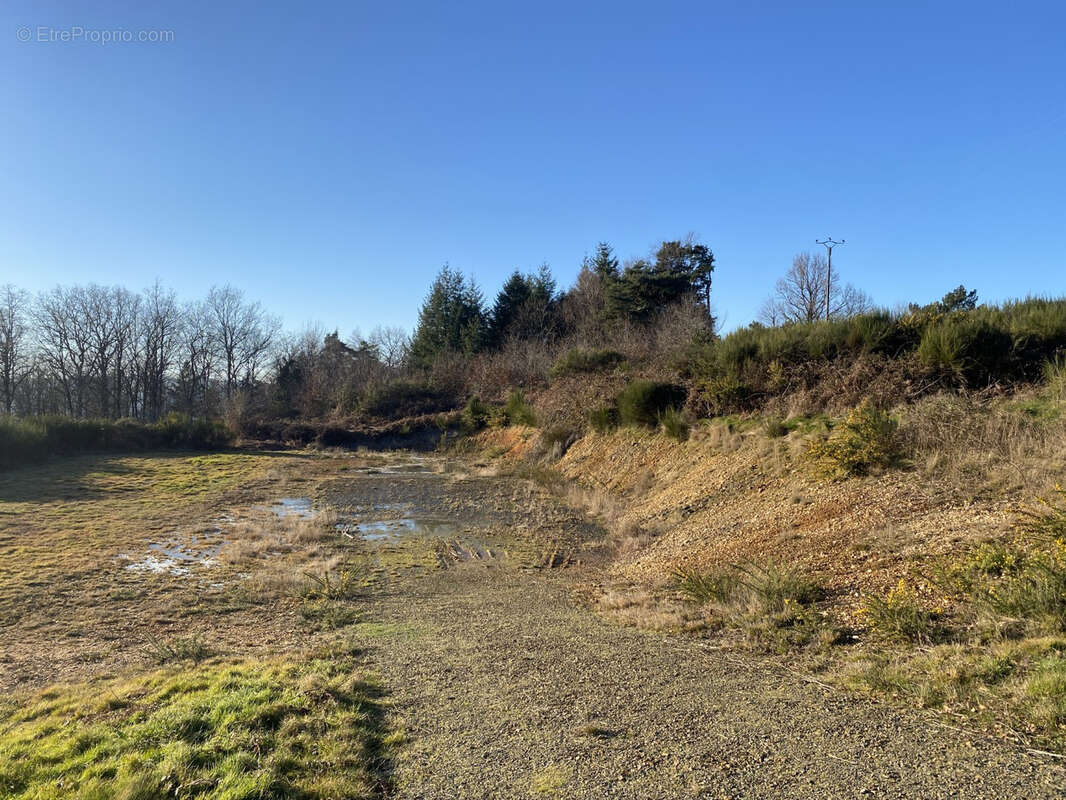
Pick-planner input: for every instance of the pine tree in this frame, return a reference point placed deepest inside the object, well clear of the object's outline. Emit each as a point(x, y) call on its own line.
point(452, 319)
point(525, 307)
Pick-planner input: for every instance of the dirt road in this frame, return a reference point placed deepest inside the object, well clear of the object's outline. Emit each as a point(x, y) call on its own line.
point(507, 687)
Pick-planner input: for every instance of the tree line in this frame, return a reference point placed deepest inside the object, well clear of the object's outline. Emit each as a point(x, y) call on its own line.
point(109, 352)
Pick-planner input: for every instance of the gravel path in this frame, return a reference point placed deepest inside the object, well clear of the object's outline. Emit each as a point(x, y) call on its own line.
point(506, 688)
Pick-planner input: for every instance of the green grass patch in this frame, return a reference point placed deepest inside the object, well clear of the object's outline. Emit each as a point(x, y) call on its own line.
point(232, 731)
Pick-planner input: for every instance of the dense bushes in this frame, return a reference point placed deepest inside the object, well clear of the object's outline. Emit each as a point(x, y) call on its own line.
point(975, 347)
point(406, 399)
point(644, 402)
point(581, 361)
point(518, 411)
point(25, 441)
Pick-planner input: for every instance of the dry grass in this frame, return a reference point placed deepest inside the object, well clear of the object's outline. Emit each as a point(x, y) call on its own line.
point(978, 445)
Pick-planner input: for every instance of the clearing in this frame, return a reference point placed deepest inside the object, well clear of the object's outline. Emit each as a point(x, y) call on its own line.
point(258, 624)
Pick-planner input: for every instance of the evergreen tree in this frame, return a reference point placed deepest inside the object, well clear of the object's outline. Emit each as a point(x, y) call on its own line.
point(959, 300)
point(452, 319)
point(525, 307)
point(604, 263)
point(643, 288)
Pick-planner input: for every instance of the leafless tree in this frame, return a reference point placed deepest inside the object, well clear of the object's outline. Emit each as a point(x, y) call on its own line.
point(393, 345)
point(15, 356)
point(158, 340)
point(241, 334)
point(800, 296)
point(66, 345)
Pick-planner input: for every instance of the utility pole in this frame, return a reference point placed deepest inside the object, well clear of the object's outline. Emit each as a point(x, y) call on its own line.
point(829, 244)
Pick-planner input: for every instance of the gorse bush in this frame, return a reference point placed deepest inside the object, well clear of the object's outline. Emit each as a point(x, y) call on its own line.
point(967, 346)
point(1055, 379)
point(898, 614)
point(603, 418)
point(583, 361)
point(987, 344)
point(674, 424)
point(643, 402)
point(518, 411)
point(476, 415)
point(866, 441)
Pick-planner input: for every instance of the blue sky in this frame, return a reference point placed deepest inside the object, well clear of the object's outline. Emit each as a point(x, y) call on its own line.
point(328, 158)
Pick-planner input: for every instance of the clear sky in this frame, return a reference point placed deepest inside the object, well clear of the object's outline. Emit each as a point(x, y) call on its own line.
point(329, 157)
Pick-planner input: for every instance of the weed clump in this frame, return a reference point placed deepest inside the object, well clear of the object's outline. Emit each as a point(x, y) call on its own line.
point(674, 424)
point(867, 441)
point(183, 648)
point(898, 615)
point(771, 605)
point(603, 419)
point(706, 587)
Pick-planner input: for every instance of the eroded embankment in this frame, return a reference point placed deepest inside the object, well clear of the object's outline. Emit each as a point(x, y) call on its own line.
point(722, 498)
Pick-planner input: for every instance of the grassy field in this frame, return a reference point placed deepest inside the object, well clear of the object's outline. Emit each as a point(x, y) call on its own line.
point(243, 625)
point(162, 634)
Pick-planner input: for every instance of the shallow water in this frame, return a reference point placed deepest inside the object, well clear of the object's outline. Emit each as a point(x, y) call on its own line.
point(394, 529)
point(301, 507)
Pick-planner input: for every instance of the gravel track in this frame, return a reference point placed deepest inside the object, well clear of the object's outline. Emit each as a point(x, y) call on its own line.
point(509, 688)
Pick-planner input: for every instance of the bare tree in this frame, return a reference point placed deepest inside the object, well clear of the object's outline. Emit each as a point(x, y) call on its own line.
point(66, 345)
point(801, 295)
point(15, 360)
point(158, 339)
point(241, 333)
point(393, 345)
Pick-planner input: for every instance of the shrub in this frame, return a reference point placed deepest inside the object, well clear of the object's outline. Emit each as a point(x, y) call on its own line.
point(898, 614)
point(706, 587)
point(775, 428)
point(603, 419)
point(475, 415)
point(406, 399)
point(971, 348)
point(1055, 379)
point(867, 440)
point(581, 361)
point(518, 411)
point(642, 402)
point(775, 588)
point(674, 424)
point(26, 441)
point(558, 438)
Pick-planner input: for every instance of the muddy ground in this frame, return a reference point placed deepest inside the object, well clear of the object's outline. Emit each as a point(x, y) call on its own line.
point(500, 682)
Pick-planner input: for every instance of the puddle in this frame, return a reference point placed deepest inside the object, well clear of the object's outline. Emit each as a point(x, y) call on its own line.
point(397, 469)
point(157, 566)
point(300, 507)
point(177, 556)
point(200, 548)
point(393, 529)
